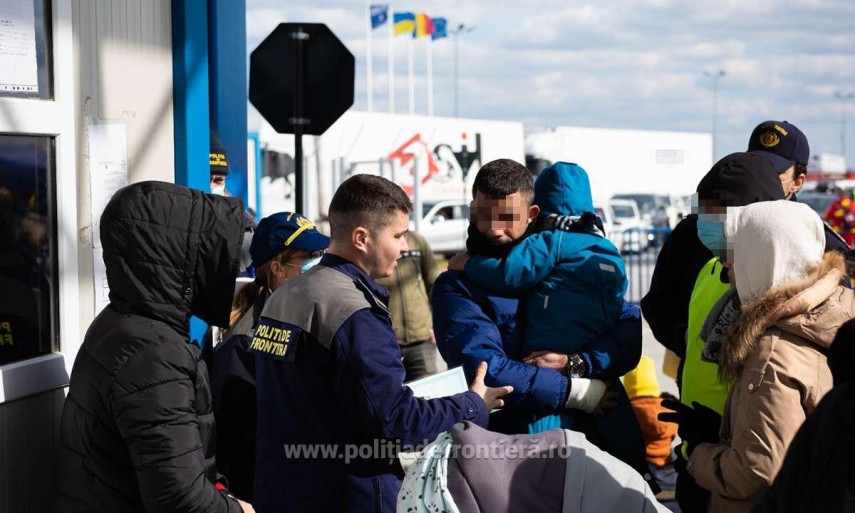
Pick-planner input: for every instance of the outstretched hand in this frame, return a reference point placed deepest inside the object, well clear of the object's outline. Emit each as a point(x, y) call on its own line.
point(492, 396)
point(458, 261)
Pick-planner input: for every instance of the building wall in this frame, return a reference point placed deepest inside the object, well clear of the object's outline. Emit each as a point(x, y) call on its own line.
point(122, 74)
point(29, 433)
point(123, 62)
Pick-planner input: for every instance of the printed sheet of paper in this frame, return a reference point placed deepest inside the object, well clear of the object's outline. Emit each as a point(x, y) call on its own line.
point(450, 382)
point(108, 172)
point(18, 64)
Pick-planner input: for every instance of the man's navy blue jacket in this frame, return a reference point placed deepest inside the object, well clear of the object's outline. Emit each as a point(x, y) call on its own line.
point(472, 326)
point(337, 382)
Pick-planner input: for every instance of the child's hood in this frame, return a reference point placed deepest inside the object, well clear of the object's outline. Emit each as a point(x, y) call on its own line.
point(563, 188)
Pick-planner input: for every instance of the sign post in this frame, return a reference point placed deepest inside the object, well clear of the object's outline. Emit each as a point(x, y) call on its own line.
point(301, 80)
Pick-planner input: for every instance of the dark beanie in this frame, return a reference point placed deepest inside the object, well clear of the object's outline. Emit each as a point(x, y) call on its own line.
point(219, 163)
point(741, 179)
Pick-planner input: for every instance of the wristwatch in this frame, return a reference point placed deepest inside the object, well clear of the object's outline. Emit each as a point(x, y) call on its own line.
point(576, 367)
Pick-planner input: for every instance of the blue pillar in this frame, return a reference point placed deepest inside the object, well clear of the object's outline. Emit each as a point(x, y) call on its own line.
point(228, 86)
point(191, 100)
point(190, 96)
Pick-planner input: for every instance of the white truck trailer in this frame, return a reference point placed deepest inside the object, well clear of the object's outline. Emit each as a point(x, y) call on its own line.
point(443, 153)
point(628, 161)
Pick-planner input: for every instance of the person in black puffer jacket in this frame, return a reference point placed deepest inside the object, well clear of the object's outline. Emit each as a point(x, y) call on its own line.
point(818, 473)
point(137, 432)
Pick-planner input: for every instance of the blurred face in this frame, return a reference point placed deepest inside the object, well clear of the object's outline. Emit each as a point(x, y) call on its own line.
point(711, 219)
point(502, 220)
point(382, 248)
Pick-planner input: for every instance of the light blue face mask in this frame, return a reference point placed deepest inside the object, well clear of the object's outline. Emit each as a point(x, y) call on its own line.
point(711, 233)
point(307, 264)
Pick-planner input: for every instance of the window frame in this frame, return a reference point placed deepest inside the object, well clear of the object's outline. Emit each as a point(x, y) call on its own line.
point(52, 118)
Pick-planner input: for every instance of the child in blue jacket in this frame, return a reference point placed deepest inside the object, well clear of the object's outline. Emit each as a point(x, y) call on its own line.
point(571, 277)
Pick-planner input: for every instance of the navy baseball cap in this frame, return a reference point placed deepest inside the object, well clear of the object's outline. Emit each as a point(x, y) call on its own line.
point(281, 231)
point(782, 142)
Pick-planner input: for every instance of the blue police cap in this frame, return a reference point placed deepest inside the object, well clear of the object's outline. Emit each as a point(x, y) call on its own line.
point(281, 231)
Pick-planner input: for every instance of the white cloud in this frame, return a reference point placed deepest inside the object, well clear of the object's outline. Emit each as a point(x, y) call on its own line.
point(618, 63)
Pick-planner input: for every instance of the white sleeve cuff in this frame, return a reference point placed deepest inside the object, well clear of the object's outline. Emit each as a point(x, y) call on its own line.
point(585, 394)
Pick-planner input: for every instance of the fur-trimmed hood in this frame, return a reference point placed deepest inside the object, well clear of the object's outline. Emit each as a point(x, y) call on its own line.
point(811, 308)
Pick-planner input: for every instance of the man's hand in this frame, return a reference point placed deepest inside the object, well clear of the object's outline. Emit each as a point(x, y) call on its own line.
point(491, 396)
point(432, 337)
point(458, 261)
point(548, 360)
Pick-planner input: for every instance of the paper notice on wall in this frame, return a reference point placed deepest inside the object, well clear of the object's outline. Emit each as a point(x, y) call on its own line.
point(18, 64)
point(102, 289)
point(108, 169)
point(108, 172)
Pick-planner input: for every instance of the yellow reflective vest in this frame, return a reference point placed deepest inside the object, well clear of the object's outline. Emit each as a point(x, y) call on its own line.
point(700, 378)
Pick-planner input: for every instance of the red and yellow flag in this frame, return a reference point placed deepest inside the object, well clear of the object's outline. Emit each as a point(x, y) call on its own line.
point(424, 25)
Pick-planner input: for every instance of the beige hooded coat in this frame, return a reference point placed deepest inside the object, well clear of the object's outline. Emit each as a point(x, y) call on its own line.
point(774, 355)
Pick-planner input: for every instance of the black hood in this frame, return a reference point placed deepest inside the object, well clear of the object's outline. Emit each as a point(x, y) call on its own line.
point(172, 252)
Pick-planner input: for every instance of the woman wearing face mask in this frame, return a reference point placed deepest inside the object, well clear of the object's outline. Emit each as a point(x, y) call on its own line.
point(284, 246)
point(774, 353)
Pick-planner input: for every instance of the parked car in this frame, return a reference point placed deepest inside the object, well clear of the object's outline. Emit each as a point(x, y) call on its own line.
point(605, 216)
point(444, 225)
point(634, 231)
point(651, 207)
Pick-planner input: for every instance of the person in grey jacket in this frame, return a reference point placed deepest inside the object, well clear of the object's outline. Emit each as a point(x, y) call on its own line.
point(471, 470)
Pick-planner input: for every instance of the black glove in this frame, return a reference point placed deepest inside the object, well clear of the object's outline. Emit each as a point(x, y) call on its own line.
point(698, 425)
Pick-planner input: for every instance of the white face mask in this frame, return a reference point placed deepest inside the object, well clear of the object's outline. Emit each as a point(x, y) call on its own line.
point(219, 191)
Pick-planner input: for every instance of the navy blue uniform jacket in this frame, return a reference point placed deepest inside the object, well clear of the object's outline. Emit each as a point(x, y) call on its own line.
point(346, 397)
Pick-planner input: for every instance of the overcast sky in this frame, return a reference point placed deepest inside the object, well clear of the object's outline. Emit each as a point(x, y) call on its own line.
point(616, 64)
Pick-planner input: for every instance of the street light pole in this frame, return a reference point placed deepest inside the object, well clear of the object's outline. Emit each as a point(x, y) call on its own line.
point(715, 76)
point(461, 29)
point(843, 99)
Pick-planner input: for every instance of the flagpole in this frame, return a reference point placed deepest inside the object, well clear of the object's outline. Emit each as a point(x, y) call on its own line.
point(411, 73)
point(391, 32)
point(368, 58)
point(429, 47)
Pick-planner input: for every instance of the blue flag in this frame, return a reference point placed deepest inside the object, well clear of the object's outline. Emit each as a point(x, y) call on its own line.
point(379, 15)
point(440, 29)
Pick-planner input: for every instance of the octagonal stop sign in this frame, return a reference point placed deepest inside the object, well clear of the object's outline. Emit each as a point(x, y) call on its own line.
point(301, 74)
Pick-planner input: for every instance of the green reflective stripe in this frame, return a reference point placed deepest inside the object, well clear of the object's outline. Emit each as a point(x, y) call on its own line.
point(700, 378)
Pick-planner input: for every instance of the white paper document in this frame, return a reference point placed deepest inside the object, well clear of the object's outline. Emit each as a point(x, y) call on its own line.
point(108, 169)
point(450, 382)
point(18, 65)
point(108, 172)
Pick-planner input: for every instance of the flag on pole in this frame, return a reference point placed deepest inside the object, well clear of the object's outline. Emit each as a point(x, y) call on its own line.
point(379, 14)
point(440, 28)
point(405, 23)
point(424, 25)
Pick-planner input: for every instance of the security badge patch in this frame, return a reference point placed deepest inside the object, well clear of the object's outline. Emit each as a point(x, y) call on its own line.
point(275, 339)
point(770, 139)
